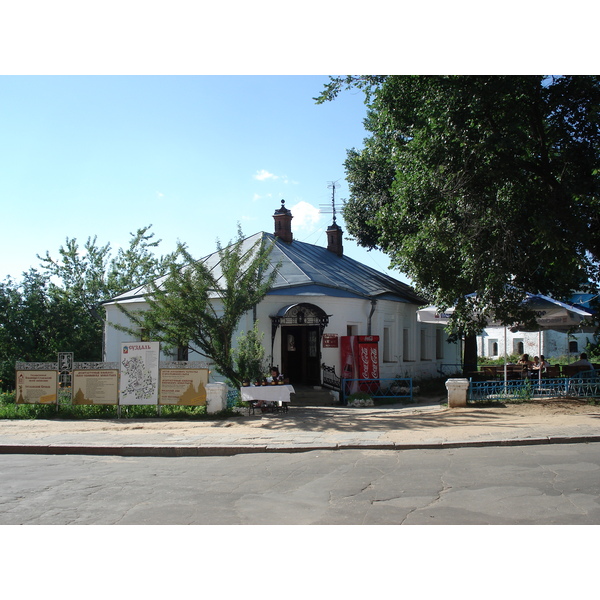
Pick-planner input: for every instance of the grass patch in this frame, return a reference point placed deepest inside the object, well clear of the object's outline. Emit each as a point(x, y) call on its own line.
point(9, 409)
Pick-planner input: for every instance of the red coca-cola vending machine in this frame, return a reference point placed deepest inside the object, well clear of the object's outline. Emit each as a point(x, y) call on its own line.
point(360, 360)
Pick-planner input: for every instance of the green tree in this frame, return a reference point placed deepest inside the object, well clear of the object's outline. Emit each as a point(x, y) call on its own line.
point(249, 355)
point(85, 277)
point(37, 323)
point(90, 275)
point(57, 308)
point(201, 304)
point(486, 184)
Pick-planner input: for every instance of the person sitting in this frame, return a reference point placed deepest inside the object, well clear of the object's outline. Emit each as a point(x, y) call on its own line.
point(583, 361)
point(274, 375)
point(524, 360)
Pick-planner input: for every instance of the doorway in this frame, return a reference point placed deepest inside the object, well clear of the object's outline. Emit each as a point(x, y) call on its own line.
point(300, 354)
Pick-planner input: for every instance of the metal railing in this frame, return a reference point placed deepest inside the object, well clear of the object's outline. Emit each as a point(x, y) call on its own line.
point(329, 378)
point(396, 387)
point(584, 385)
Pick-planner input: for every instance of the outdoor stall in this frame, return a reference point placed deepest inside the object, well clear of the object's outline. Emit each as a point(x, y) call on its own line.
point(275, 396)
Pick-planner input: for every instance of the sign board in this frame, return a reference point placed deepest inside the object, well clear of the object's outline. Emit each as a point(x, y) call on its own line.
point(139, 372)
point(65, 362)
point(184, 387)
point(36, 387)
point(95, 386)
point(330, 340)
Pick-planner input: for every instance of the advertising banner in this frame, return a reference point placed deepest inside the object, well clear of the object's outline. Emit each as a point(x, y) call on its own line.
point(368, 356)
point(37, 387)
point(96, 386)
point(139, 373)
point(360, 360)
point(184, 387)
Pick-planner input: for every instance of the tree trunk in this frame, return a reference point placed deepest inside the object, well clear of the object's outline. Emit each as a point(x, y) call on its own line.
point(470, 355)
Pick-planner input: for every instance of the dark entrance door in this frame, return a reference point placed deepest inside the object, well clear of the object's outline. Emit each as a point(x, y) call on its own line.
point(301, 355)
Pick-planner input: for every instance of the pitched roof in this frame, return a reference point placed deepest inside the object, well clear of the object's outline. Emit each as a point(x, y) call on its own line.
point(306, 269)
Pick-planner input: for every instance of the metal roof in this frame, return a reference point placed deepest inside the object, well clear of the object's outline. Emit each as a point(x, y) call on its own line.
point(306, 269)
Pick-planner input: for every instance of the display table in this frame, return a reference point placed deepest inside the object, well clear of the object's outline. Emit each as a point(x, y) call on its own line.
point(279, 394)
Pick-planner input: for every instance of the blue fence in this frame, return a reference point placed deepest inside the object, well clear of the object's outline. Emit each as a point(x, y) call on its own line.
point(397, 387)
point(584, 385)
point(233, 396)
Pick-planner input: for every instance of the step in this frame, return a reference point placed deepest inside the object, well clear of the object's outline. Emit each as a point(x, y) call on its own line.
point(312, 396)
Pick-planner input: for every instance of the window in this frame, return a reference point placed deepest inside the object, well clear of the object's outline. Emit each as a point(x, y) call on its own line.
point(387, 349)
point(518, 347)
point(423, 339)
point(492, 347)
point(573, 347)
point(439, 343)
point(351, 329)
point(406, 345)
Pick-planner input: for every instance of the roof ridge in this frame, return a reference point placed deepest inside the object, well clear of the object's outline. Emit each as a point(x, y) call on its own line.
point(305, 263)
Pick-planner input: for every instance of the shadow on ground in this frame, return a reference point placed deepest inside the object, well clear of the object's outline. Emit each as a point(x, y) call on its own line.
point(420, 415)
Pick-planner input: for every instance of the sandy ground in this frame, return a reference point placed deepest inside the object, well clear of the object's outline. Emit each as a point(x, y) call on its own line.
point(425, 419)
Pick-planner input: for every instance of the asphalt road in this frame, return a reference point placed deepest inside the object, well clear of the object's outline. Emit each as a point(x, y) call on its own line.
point(547, 484)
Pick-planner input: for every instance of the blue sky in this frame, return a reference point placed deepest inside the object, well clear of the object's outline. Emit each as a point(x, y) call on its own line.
point(192, 155)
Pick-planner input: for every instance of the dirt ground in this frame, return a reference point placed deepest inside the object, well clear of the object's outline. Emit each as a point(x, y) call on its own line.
point(550, 406)
point(425, 413)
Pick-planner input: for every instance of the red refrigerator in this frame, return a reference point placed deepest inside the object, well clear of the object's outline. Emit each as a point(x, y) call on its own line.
point(360, 360)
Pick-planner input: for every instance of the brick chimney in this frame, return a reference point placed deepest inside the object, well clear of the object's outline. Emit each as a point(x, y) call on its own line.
point(334, 239)
point(283, 224)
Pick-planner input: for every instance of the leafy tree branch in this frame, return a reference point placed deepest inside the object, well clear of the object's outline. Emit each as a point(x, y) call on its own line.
point(201, 304)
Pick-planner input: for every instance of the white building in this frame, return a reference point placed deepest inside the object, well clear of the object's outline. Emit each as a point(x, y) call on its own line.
point(319, 296)
point(564, 341)
point(552, 344)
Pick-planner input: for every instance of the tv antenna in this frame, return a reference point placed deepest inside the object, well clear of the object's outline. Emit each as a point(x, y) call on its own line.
point(324, 208)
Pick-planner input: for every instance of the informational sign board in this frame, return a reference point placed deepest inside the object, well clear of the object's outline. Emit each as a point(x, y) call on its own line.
point(65, 361)
point(99, 386)
point(139, 373)
point(36, 387)
point(184, 387)
point(330, 340)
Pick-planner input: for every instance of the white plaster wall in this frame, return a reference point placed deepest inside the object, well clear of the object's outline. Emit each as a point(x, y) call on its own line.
point(113, 337)
point(396, 315)
point(551, 343)
point(346, 311)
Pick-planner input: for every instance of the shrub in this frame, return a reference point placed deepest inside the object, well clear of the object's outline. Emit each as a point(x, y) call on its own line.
point(249, 356)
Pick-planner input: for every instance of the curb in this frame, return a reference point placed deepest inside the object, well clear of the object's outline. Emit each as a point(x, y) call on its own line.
point(232, 450)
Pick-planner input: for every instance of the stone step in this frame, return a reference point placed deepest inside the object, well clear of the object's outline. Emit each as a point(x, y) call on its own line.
point(312, 396)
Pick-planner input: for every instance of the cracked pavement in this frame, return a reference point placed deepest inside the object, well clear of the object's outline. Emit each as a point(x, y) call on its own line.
point(553, 484)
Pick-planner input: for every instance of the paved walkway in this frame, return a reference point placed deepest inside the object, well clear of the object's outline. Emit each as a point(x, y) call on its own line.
point(425, 424)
